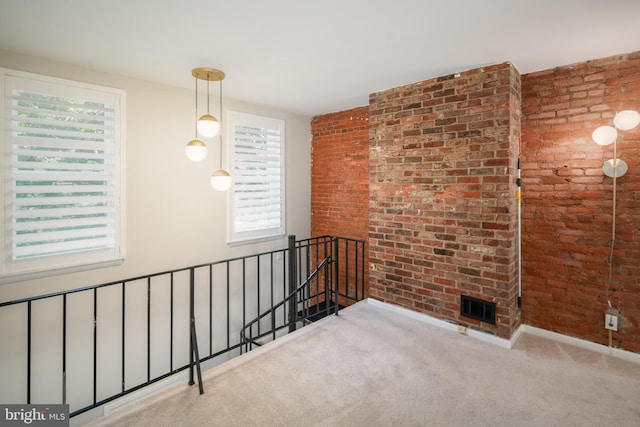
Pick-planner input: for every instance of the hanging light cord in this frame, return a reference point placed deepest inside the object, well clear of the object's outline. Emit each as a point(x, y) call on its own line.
point(613, 224)
point(220, 133)
point(208, 77)
point(195, 123)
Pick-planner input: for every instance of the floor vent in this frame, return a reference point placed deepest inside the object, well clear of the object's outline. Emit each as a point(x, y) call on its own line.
point(478, 309)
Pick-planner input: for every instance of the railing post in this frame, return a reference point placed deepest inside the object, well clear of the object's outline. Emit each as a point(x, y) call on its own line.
point(191, 317)
point(327, 276)
point(197, 355)
point(194, 356)
point(336, 271)
point(362, 276)
point(293, 303)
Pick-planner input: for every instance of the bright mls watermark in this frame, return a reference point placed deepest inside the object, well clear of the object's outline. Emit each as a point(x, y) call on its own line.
point(34, 415)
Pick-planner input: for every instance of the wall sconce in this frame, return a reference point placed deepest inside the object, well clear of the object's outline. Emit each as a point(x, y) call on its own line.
point(208, 126)
point(607, 135)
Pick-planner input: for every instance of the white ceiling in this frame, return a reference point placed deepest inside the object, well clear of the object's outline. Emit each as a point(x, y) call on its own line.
point(316, 57)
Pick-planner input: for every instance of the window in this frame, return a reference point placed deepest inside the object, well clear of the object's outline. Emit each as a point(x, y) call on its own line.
point(63, 175)
point(258, 195)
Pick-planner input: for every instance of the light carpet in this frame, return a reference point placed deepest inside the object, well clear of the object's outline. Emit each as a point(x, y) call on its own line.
point(371, 366)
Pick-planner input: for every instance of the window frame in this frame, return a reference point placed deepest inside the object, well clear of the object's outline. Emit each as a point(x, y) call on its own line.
point(14, 270)
point(235, 237)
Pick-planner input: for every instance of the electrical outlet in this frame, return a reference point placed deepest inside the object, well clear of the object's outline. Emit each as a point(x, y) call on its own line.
point(462, 329)
point(611, 322)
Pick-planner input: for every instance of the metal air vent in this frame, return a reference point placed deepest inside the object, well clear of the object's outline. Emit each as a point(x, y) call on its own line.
point(478, 309)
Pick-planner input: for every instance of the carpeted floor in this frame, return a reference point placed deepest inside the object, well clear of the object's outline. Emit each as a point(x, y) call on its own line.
point(375, 367)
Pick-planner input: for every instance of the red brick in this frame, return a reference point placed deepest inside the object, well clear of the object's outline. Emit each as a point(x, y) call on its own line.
point(566, 243)
point(443, 191)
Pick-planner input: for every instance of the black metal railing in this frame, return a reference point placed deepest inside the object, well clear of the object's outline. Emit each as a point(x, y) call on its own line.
point(90, 346)
point(301, 295)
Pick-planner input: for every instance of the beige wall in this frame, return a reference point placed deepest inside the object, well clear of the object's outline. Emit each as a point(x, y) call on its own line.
point(174, 218)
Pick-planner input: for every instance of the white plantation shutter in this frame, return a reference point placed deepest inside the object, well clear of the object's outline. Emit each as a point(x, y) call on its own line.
point(64, 146)
point(258, 167)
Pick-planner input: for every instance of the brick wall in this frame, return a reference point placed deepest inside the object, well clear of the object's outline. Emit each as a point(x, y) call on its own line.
point(425, 251)
point(567, 201)
point(442, 214)
point(340, 176)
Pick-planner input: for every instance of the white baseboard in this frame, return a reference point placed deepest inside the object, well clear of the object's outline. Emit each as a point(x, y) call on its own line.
point(584, 344)
point(474, 333)
point(509, 343)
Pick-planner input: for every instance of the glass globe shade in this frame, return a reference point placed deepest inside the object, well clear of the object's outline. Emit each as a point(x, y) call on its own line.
point(208, 126)
point(615, 167)
point(220, 180)
point(604, 135)
point(626, 119)
point(195, 150)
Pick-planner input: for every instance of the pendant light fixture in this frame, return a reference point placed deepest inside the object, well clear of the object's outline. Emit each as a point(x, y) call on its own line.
point(208, 127)
point(220, 179)
point(196, 150)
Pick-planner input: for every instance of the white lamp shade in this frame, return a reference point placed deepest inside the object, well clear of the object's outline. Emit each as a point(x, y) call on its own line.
point(195, 150)
point(626, 119)
point(604, 135)
point(208, 126)
point(220, 180)
point(615, 167)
